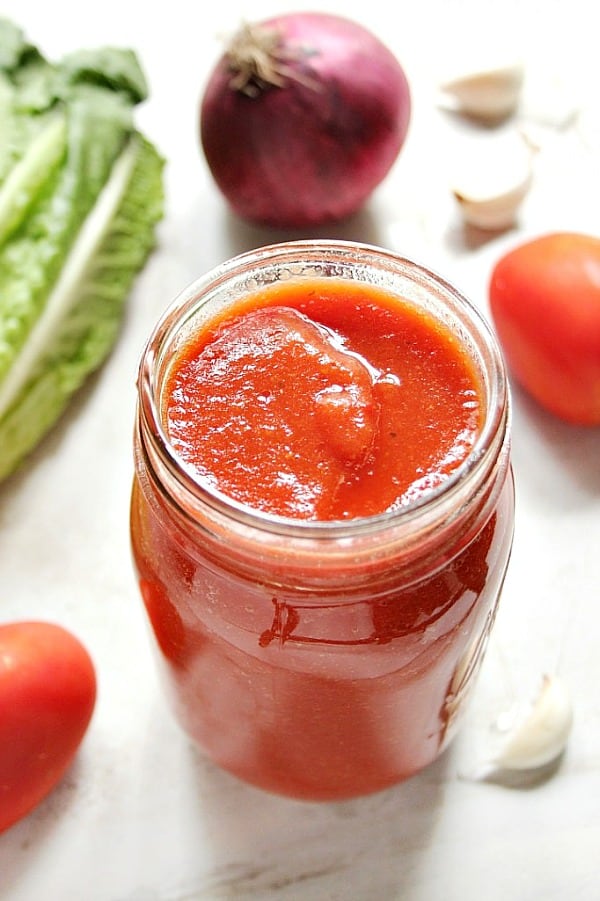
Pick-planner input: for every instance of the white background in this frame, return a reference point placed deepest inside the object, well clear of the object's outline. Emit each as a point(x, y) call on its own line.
point(140, 815)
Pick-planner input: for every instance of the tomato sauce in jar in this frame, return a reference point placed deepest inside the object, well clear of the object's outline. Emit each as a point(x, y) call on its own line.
point(322, 513)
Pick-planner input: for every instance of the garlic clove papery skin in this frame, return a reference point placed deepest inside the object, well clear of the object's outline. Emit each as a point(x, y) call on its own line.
point(490, 94)
point(540, 734)
point(493, 183)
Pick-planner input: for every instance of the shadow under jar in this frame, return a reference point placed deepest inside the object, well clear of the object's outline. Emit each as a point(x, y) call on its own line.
point(324, 655)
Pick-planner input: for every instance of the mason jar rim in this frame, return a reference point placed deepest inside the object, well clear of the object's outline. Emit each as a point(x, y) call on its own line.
point(351, 253)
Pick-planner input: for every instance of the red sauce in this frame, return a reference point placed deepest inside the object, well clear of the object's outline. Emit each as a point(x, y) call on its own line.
point(315, 674)
point(324, 402)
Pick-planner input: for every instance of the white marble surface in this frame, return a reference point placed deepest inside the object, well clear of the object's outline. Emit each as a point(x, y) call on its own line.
point(140, 816)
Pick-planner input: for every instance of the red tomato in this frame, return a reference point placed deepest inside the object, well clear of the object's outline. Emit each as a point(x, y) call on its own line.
point(545, 303)
point(47, 696)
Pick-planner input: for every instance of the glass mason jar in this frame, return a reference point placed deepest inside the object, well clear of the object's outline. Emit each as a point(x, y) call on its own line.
point(321, 660)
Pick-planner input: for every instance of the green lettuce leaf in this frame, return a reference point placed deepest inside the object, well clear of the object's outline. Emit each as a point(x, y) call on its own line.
point(81, 194)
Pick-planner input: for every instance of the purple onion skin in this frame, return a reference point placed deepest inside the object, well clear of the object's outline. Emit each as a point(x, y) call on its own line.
point(303, 155)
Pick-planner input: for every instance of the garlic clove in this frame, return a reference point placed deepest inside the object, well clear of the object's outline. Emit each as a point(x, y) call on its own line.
point(540, 734)
point(493, 183)
point(489, 94)
point(493, 212)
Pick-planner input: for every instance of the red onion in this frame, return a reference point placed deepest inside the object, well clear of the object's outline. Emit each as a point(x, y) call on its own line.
point(302, 118)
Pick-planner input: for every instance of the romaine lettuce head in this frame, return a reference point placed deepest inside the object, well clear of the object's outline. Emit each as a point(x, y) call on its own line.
point(81, 193)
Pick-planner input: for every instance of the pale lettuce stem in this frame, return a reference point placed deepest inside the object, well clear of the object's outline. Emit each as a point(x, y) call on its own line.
point(23, 182)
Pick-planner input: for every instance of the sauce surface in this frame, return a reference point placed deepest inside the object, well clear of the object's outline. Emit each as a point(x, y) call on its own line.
point(323, 400)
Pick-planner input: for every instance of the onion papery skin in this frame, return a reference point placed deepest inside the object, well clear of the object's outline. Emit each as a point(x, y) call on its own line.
point(314, 149)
